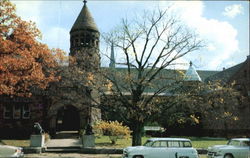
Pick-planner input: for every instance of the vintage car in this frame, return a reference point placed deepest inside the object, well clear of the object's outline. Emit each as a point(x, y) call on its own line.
point(10, 151)
point(235, 148)
point(162, 148)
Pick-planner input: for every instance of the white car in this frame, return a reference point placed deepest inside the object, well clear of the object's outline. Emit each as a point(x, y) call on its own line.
point(162, 148)
point(235, 148)
point(10, 151)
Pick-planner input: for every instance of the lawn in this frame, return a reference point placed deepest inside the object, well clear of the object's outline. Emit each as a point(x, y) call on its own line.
point(198, 142)
point(21, 143)
point(203, 142)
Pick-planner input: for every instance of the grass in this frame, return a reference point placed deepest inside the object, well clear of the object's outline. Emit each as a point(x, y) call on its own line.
point(203, 142)
point(22, 143)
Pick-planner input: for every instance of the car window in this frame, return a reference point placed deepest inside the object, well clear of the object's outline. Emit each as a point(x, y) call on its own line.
point(156, 144)
point(246, 143)
point(173, 144)
point(148, 143)
point(160, 144)
point(185, 144)
point(163, 144)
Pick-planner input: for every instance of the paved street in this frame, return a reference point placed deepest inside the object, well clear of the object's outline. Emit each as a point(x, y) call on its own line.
point(70, 155)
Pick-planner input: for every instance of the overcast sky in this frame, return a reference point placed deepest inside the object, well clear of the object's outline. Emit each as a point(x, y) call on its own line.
point(223, 24)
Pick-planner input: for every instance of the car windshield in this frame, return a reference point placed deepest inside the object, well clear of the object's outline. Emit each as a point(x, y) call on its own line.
point(239, 143)
point(148, 143)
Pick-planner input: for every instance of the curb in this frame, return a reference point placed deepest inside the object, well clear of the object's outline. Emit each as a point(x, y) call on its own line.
point(91, 150)
point(102, 150)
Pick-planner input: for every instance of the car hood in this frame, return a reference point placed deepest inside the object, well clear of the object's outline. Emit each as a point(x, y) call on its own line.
point(218, 147)
point(7, 146)
point(131, 148)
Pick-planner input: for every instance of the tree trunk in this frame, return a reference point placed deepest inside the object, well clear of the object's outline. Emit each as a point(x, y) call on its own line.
point(137, 134)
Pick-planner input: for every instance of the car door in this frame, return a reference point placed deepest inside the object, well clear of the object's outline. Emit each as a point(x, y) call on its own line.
point(244, 149)
point(173, 149)
point(158, 150)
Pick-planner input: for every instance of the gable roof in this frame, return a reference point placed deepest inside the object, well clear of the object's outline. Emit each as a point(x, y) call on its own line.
point(226, 74)
point(164, 77)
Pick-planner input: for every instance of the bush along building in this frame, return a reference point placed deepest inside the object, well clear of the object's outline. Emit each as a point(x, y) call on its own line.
point(72, 103)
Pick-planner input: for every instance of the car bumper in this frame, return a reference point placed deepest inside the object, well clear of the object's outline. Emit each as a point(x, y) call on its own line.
point(212, 156)
point(19, 155)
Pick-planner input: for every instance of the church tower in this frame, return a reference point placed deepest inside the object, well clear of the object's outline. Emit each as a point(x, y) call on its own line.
point(84, 41)
point(84, 50)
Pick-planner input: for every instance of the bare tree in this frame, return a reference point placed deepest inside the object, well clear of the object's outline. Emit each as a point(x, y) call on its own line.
point(149, 44)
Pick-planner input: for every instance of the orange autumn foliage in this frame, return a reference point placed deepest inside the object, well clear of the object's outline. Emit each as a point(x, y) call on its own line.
point(24, 61)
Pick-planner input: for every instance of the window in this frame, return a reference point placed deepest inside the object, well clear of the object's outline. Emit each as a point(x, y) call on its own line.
point(16, 111)
point(76, 42)
point(26, 112)
point(156, 144)
point(82, 41)
point(148, 143)
point(173, 144)
point(246, 143)
point(164, 144)
point(234, 142)
point(7, 112)
point(187, 144)
point(245, 73)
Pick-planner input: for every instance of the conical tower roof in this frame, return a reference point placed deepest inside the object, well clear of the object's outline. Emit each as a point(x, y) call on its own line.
point(191, 74)
point(84, 20)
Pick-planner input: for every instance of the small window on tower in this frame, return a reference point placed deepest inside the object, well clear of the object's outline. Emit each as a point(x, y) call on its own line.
point(87, 42)
point(76, 42)
point(82, 41)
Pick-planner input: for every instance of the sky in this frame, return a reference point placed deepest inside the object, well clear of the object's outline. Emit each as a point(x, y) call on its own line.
point(224, 25)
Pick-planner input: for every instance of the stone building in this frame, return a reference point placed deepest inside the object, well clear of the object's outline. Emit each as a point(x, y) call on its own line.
point(70, 103)
point(76, 111)
point(239, 77)
point(72, 106)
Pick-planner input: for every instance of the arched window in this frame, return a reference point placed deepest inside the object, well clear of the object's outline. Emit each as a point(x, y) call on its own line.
point(82, 41)
point(76, 42)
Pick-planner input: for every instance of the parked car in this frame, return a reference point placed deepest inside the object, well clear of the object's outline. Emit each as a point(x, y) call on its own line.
point(162, 148)
point(10, 151)
point(235, 148)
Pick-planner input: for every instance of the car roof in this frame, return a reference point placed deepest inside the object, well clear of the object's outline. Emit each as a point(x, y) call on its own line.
point(241, 139)
point(168, 139)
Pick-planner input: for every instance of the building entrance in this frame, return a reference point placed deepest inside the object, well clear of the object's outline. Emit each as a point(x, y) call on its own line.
point(68, 119)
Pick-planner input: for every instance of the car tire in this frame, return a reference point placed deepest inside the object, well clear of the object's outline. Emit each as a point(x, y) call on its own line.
point(228, 156)
point(137, 156)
